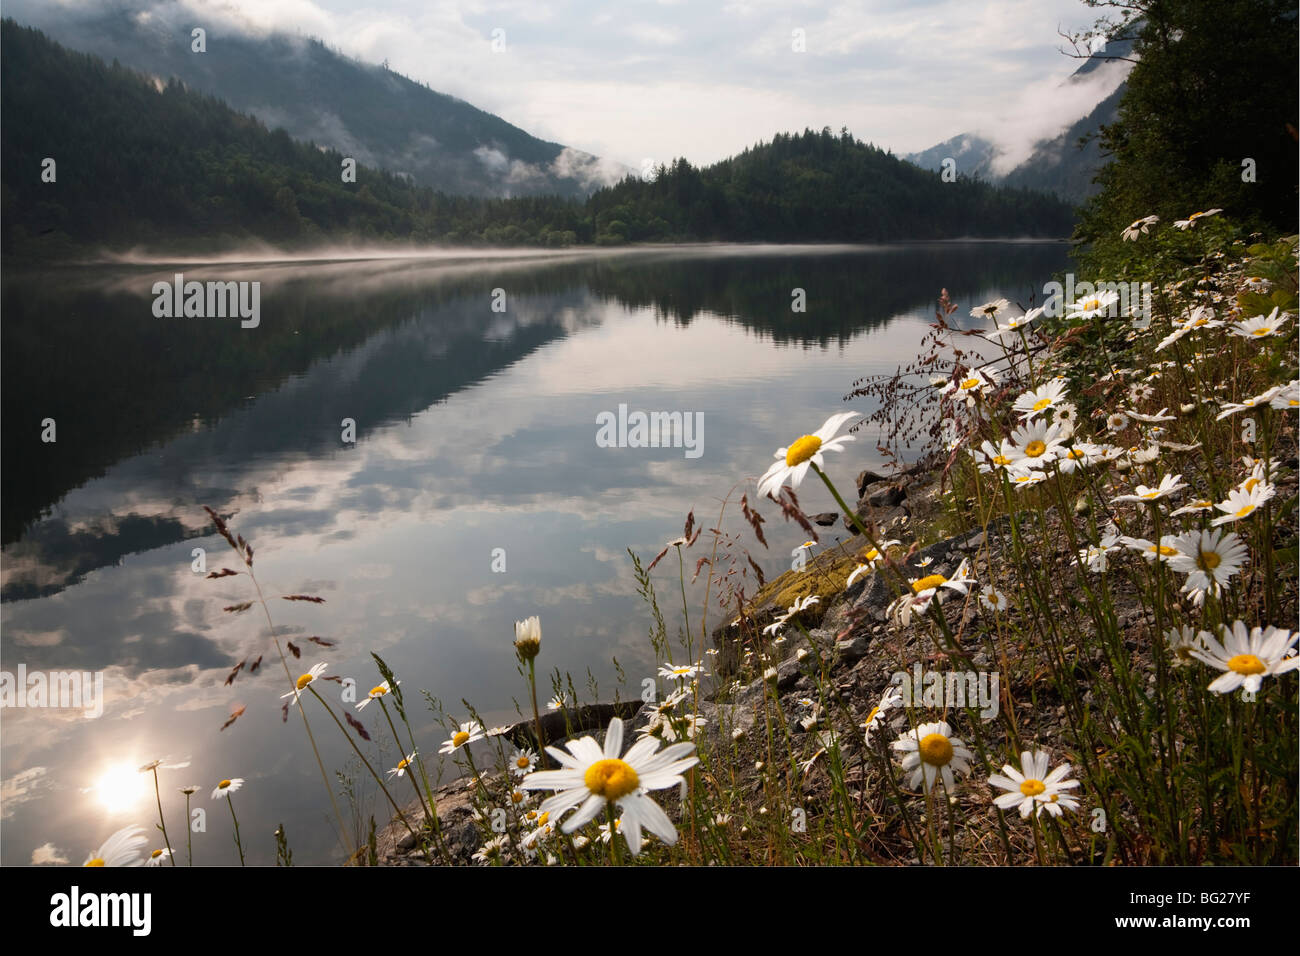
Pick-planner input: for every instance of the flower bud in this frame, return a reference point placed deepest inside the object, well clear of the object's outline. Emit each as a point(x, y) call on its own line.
point(528, 638)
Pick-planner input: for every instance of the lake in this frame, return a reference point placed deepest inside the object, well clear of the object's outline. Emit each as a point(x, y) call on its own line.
point(473, 447)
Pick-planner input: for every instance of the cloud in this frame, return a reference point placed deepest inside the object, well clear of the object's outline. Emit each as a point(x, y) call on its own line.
point(1046, 110)
point(693, 80)
point(20, 788)
point(48, 853)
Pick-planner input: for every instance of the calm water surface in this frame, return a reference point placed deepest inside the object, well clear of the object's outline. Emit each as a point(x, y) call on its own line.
point(475, 430)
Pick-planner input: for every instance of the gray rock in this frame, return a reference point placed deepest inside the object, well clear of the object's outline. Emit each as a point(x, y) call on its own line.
point(886, 496)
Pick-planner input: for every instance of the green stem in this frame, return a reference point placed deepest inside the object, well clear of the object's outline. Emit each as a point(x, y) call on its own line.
point(238, 845)
point(161, 823)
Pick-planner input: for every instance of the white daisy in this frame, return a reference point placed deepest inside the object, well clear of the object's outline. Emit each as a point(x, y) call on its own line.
point(972, 383)
point(121, 849)
point(1032, 788)
point(892, 697)
point(1191, 220)
point(1158, 417)
point(403, 765)
point(928, 586)
point(522, 761)
point(301, 684)
point(1093, 305)
point(1139, 227)
point(992, 599)
point(1287, 397)
point(1036, 443)
point(1182, 641)
point(1024, 479)
point(382, 690)
point(1264, 398)
point(468, 733)
point(1014, 325)
point(990, 310)
point(793, 462)
point(1242, 504)
point(992, 457)
point(1209, 559)
point(1046, 396)
point(1150, 550)
point(1081, 455)
point(157, 857)
point(593, 778)
point(932, 752)
point(492, 849)
point(1096, 556)
point(1167, 486)
point(226, 787)
point(682, 672)
point(1261, 326)
point(1247, 658)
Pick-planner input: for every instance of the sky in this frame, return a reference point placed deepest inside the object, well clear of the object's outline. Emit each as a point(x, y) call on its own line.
point(650, 80)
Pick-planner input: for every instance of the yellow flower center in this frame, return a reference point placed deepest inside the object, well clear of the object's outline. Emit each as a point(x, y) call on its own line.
point(223, 784)
point(304, 680)
point(1164, 549)
point(379, 691)
point(155, 854)
point(1249, 484)
point(1151, 494)
point(521, 762)
point(1246, 664)
point(802, 450)
point(936, 750)
point(1208, 560)
point(458, 738)
point(542, 818)
point(1264, 331)
point(1199, 322)
point(95, 862)
point(872, 716)
point(1242, 512)
point(1035, 448)
point(1001, 460)
point(970, 383)
point(927, 582)
point(611, 778)
point(873, 555)
point(517, 797)
point(1041, 404)
point(1032, 788)
point(1092, 304)
point(403, 764)
point(1074, 454)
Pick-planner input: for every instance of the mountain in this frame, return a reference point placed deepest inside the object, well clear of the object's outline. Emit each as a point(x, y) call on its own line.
point(818, 186)
point(1063, 165)
point(378, 117)
point(137, 162)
